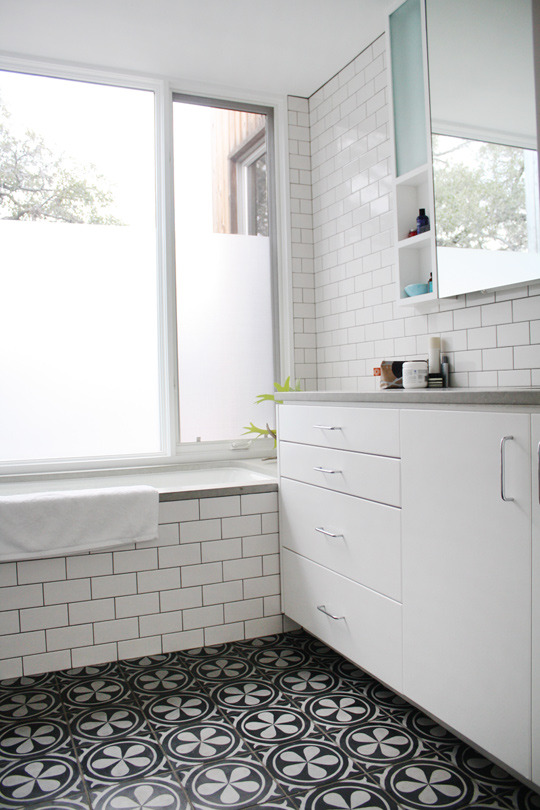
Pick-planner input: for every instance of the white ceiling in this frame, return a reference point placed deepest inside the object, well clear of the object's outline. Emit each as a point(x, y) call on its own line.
point(271, 46)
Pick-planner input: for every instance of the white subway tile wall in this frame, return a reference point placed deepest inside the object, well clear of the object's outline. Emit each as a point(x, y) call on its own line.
point(212, 577)
point(343, 255)
point(303, 281)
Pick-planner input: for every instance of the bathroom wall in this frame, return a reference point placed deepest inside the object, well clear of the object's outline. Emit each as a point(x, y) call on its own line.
point(492, 339)
point(213, 576)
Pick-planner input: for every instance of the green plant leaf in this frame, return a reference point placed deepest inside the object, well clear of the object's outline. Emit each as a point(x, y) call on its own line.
point(268, 431)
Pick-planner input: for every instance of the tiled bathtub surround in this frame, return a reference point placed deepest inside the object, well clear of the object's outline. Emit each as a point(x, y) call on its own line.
point(281, 723)
point(491, 339)
point(213, 576)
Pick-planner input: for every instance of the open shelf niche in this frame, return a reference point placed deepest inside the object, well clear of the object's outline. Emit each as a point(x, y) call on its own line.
point(415, 254)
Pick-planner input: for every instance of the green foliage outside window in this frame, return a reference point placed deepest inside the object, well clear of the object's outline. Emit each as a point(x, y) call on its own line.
point(480, 198)
point(37, 183)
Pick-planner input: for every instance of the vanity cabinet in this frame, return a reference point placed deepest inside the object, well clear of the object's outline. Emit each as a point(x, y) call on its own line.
point(419, 570)
point(535, 476)
point(467, 575)
point(340, 529)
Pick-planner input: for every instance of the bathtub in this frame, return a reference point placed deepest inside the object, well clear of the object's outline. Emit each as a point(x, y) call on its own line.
point(211, 576)
point(76, 527)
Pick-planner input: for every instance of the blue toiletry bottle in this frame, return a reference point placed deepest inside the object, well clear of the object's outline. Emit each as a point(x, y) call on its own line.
point(422, 221)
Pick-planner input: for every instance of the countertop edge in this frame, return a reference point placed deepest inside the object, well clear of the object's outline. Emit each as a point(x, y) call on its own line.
point(446, 396)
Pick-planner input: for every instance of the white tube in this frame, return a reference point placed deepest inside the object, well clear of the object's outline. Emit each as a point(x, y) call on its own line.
point(434, 355)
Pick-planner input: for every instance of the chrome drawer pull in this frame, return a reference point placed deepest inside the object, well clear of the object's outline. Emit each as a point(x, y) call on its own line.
point(503, 488)
point(327, 427)
point(327, 533)
point(538, 472)
point(323, 609)
point(324, 470)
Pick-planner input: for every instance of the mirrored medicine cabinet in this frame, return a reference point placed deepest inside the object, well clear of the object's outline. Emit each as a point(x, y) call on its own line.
point(464, 126)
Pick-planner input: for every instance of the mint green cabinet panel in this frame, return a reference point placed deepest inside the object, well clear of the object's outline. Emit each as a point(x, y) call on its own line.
point(408, 87)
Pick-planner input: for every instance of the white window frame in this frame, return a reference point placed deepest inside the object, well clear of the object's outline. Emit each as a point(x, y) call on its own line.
point(173, 452)
point(244, 198)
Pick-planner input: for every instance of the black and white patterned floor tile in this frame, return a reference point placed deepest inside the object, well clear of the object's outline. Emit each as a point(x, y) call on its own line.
point(47, 778)
point(383, 697)
point(178, 710)
point(300, 765)
point(268, 642)
point(200, 743)
point(246, 693)
point(24, 682)
point(426, 728)
point(29, 704)
point(309, 680)
point(520, 797)
point(121, 761)
point(348, 794)
point(164, 680)
point(234, 783)
point(375, 744)
point(279, 659)
point(108, 724)
point(339, 709)
point(278, 804)
point(95, 692)
point(204, 653)
point(221, 668)
point(488, 774)
point(429, 782)
point(152, 793)
point(280, 723)
point(274, 726)
point(92, 672)
point(34, 739)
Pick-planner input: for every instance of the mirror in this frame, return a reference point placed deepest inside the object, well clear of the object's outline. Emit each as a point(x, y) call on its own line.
point(484, 142)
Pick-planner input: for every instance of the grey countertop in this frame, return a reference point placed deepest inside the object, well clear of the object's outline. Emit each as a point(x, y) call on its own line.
point(433, 396)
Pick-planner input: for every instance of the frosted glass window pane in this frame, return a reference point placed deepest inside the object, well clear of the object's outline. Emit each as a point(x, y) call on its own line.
point(408, 87)
point(78, 306)
point(224, 311)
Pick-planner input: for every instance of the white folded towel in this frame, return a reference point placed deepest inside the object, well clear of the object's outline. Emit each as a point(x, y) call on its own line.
point(47, 524)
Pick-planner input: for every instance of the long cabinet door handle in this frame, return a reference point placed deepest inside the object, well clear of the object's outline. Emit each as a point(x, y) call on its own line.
point(538, 472)
point(323, 609)
point(503, 465)
point(327, 427)
point(325, 470)
point(326, 532)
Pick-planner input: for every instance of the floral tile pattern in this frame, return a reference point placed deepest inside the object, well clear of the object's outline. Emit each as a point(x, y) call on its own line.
point(281, 723)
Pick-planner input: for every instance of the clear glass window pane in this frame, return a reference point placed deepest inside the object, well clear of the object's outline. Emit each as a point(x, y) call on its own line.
point(78, 303)
point(224, 309)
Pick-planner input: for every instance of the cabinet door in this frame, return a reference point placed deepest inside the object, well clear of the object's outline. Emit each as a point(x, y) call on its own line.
point(536, 598)
point(467, 575)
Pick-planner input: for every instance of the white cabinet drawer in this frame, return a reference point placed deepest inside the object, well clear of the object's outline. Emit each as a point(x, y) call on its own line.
point(367, 430)
point(376, 478)
point(366, 545)
point(368, 630)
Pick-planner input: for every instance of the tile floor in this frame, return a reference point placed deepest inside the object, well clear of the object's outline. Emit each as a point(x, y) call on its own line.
point(281, 723)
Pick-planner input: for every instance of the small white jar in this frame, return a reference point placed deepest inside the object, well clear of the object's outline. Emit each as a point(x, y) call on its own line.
point(415, 374)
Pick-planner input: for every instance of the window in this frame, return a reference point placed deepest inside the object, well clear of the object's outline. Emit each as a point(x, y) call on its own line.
point(87, 340)
point(223, 273)
point(79, 332)
point(249, 196)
